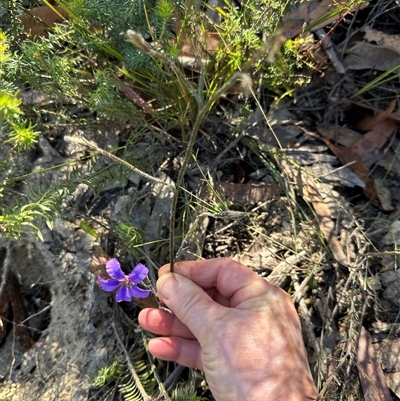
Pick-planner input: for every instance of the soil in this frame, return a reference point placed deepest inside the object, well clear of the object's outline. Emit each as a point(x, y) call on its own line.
point(59, 328)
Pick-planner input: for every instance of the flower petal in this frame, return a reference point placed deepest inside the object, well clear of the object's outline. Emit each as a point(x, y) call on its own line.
point(123, 294)
point(139, 273)
point(108, 285)
point(139, 292)
point(114, 269)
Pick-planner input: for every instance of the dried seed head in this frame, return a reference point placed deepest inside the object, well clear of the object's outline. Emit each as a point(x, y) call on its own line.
point(138, 41)
point(246, 84)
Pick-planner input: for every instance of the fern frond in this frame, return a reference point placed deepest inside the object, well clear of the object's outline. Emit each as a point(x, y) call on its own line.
point(130, 391)
point(135, 385)
point(131, 237)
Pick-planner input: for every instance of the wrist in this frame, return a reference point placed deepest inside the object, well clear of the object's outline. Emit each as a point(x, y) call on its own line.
point(289, 390)
point(302, 389)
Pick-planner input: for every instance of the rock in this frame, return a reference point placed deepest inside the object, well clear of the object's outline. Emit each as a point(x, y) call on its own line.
point(391, 282)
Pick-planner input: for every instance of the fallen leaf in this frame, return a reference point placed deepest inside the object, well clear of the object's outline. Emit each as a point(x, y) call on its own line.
point(98, 263)
point(382, 39)
point(205, 43)
point(368, 147)
point(248, 193)
point(285, 136)
point(370, 371)
point(346, 156)
point(38, 20)
point(346, 137)
point(136, 98)
point(280, 274)
point(365, 56)
point(368, 122)
point(312, 11)
point(357, 159)
point(308, 190)
point(384, 195)
point(339, 135)
point(394, 116)
point(381, 127)
point(388, 351)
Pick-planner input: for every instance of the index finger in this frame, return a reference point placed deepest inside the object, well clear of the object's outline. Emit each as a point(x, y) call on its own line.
point(231, 279)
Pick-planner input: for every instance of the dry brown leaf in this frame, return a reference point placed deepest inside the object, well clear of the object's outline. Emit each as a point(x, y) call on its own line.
point(310, 193)
point(394, 116)
point(391, 42)
point(307, 13)
point(380, 128)
point(369, 122)
point(280, 274)
point(388, 351)
point(136, 98)
point(248, 193)
point(282, 136)
point(365, 56)
point(384, 195)
point(206, 42)
point(38, 20)
point(368, 147)
point(359, 157)
point(347, 137)
point(370, 371)
point(346, 156)
point(337, 134)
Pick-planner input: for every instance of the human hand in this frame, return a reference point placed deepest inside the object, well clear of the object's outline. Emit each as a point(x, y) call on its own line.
point(242, 331)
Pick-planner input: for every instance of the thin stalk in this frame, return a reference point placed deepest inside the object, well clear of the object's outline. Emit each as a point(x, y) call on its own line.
point(92, 145)
point(203, 109)
point(201, 115)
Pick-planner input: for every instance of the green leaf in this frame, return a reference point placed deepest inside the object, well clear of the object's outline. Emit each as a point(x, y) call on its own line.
point(88, 229)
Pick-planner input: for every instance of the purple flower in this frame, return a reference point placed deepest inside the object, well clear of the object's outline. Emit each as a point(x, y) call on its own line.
point(125, 284)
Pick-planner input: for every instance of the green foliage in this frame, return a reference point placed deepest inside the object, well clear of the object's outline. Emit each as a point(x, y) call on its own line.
point(107, 374)
point(186, 393)
point(40, 206)
point(22, 135)
point(9, 106)
point(131, 237)
point(292, 66)
point(144, 376)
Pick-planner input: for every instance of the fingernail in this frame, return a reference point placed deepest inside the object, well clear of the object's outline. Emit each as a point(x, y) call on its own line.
point(167, 284)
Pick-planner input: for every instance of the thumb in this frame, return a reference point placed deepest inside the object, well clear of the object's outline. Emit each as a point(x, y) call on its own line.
point(189, 302)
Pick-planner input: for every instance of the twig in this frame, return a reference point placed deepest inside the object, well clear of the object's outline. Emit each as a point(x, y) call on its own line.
point(5, 265)
point(305, 317)
point(283, 270)
point(161, 386)
point(92, 145)
point(330, 50)
point(173, 378)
